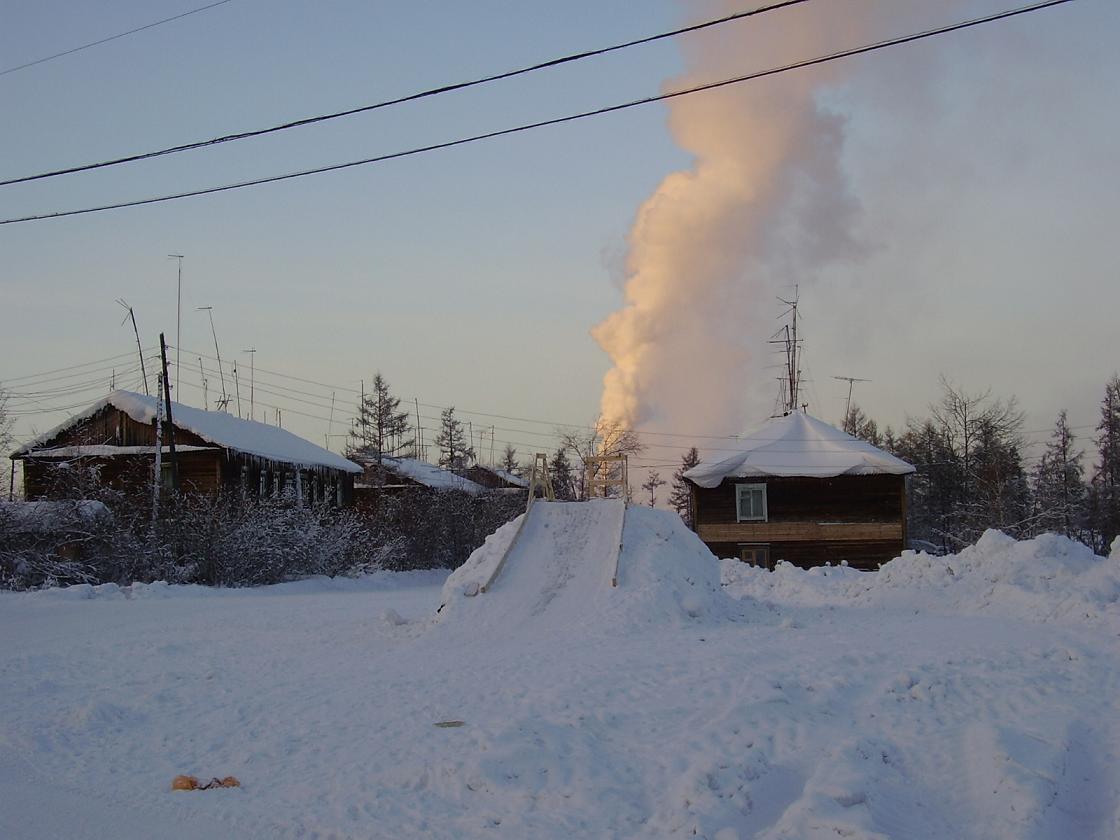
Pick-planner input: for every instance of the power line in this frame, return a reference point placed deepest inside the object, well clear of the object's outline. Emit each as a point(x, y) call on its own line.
point(609, 109)
point(509, 74)
point(112, 38)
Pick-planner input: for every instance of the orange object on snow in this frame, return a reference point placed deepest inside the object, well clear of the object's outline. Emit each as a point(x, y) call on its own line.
point(192, 783)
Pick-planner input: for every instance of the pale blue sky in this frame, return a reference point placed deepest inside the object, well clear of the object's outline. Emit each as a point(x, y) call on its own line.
point(984, 163)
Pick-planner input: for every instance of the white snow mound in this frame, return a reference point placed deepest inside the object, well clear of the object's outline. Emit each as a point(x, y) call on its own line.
point(561, 559)
point(1048, 578)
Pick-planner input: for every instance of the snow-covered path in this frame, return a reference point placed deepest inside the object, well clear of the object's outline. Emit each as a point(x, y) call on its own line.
point(779, 720)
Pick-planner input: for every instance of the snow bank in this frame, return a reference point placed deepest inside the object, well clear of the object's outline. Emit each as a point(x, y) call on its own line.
point(1048, 578)
point(374, 582)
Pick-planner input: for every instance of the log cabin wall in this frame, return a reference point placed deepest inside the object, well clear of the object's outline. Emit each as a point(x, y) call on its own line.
point(200, 471)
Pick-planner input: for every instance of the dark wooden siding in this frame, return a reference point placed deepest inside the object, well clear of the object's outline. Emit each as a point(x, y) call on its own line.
point(845, 498)
point(810, 521)
point(867, 555)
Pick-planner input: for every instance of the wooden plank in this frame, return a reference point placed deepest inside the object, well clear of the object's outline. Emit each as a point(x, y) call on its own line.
point(799, 531)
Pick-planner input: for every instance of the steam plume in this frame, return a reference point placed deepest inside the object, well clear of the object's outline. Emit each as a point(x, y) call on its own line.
point(764, 206)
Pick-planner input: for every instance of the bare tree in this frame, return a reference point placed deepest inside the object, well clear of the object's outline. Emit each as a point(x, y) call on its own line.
point(605, 438)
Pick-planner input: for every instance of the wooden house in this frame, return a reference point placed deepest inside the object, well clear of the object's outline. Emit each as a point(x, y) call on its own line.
point(115, 440)
point(397, 475)
point(803, 491)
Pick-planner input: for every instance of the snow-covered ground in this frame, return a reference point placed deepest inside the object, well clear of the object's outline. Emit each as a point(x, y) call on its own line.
point(910, 703)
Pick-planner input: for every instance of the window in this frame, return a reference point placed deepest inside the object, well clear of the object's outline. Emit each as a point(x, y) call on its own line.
point(756, 555)
point(750, 502)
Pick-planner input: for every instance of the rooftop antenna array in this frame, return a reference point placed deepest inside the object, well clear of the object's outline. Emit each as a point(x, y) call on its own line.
point(791, 381)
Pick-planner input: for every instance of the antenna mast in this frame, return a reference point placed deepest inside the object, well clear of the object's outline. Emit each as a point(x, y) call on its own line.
point(224, 401)
point(791, 382)
point(851, 380)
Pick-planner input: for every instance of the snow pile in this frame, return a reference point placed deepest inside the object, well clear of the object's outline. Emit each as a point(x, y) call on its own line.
point(1048, 578)
point(380, 581)
point(562, 557)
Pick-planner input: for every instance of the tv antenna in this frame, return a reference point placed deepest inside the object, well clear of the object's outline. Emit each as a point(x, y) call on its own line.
point(851, 380)
point(224, 401)
point(178, 318)
point(139, 349)
point(791, 380)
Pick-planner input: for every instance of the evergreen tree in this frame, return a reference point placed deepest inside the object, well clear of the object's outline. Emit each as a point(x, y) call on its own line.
point(859, 425)
point(652, 482)
point(1059, 492)
point(381, 428)
point(680, 499)
point(455, 452)
point(1106, 478)
point(563, 482)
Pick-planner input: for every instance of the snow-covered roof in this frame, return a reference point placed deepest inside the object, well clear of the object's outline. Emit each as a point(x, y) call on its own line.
point(216, 427)
point(506, 476)
point(429, 475)
point(94, 451)
point(799, 445)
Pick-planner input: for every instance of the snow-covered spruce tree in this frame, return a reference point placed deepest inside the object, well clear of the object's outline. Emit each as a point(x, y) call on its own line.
point(1059, 492)
point(1105, 488)
point(455, 452)
point(381, 427)
point(680, 499)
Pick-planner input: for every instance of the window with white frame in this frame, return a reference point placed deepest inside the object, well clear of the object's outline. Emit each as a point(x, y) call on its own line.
point(750, 502)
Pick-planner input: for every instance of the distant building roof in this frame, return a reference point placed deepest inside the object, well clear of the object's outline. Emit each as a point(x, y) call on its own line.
point(216, 427)
point(428, 475)
point(799, 445)
point(497, 476)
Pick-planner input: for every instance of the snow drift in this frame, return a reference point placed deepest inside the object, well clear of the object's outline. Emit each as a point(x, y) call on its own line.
point(1048, 578)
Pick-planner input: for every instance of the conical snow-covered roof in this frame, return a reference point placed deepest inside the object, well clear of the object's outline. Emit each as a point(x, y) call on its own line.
point(799, 445)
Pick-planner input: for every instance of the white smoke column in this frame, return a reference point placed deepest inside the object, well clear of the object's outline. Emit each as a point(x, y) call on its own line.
point(763, 207)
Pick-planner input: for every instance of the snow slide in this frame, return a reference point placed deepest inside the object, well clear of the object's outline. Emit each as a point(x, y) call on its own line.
point(559, 561)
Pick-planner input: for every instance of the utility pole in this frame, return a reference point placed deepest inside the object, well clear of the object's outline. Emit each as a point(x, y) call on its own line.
point(178, 322)
point(157, 483)
point(330, 423)
point(209, 310)
point(237, 389)
point(252, 351)
point(170, 420)
point(205, 392)
point(851, 380)
point(139, 349)
point(419, 431)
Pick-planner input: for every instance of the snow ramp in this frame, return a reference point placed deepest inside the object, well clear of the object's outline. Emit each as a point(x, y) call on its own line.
point(554, 569)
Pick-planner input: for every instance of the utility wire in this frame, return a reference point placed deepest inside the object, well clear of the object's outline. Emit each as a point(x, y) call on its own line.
point(867, 48)
point(509, 74)
point(112, 38)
